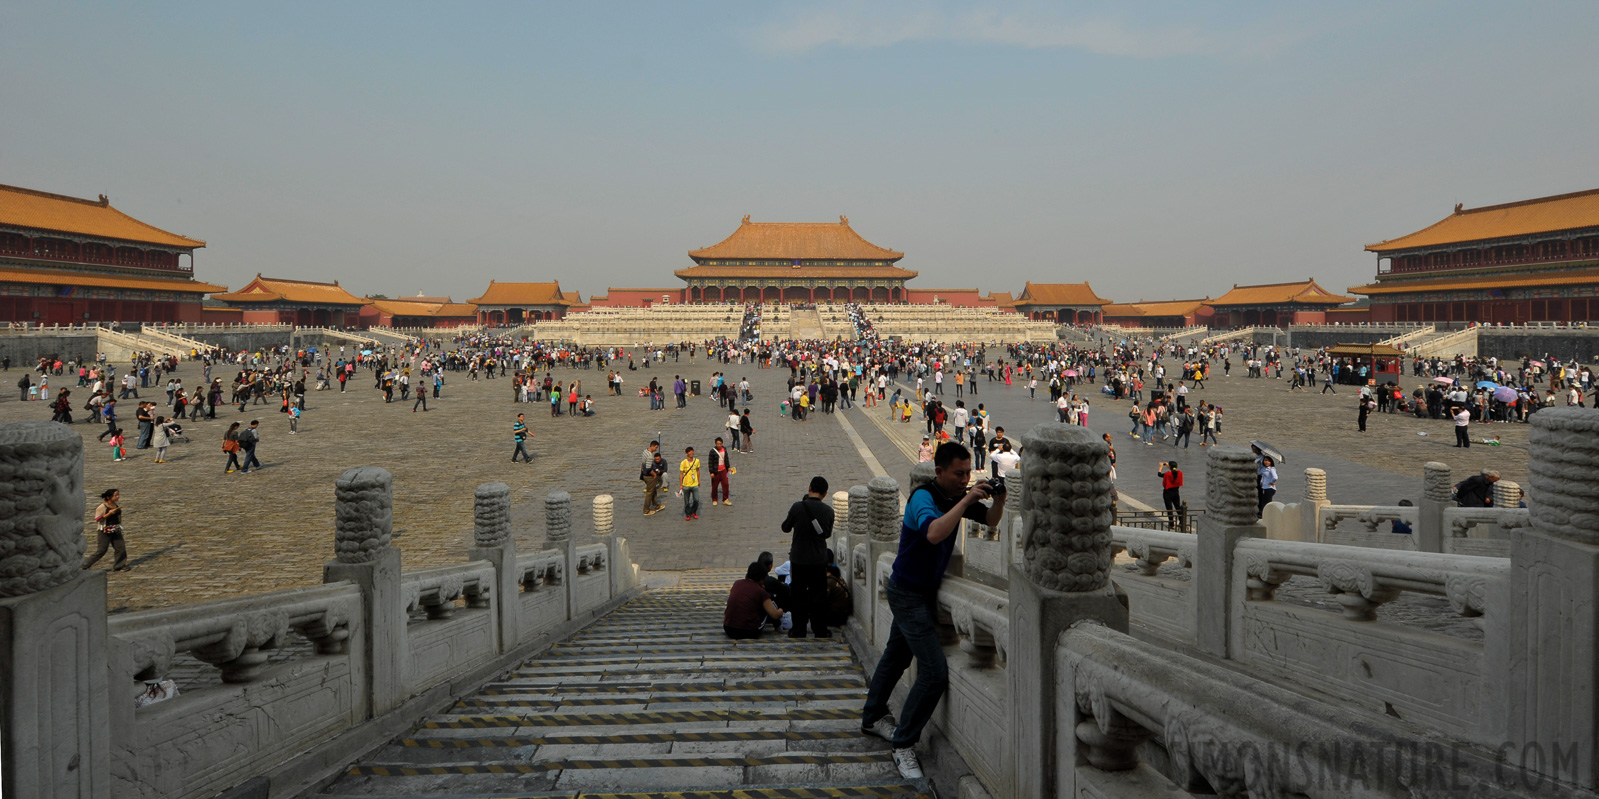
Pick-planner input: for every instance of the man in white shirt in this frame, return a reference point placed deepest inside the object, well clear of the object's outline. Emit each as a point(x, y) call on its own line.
point(1061, 404)
point(732, 428)
point(1462, 421)
point(959, 419)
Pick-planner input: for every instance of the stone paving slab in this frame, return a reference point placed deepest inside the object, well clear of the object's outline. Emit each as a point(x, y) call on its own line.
point(196, 533)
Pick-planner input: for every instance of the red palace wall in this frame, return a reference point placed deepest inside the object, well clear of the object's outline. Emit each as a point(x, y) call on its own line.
point(76, 311)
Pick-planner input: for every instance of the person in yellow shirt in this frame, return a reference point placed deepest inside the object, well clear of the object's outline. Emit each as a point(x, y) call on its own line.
point(689, 479)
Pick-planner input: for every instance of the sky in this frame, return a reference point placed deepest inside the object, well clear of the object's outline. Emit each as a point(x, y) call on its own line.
point(1156, 150)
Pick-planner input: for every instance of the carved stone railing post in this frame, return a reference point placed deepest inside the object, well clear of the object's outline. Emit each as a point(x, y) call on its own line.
point(884, 526)
point(615, 546)
point(1230, 504)
point(492, 541)
point(1507, 494)
point(54, 695)
point(363, 526)
point(1554, 599)
point(840, 542)
point(1064, 498)
point(558, 533)
point(1310, 507)
point(1435, 496)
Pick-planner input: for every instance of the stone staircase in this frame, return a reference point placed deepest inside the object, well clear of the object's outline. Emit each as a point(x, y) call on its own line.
point(807, 325)
point(652, 700)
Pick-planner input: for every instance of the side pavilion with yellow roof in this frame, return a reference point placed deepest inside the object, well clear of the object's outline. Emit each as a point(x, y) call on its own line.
point(1301, 302)
point(66, 260)
point(304, 303)
point(1529, 261)
point(1065, 303)
point(522, 303)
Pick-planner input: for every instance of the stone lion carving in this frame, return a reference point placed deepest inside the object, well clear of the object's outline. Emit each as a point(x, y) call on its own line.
point(491, 514)
point(364, 514)
point(41, 506)
point(1066, 508)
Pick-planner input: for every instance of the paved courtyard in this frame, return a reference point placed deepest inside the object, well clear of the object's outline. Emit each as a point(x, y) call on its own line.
point(197, 533)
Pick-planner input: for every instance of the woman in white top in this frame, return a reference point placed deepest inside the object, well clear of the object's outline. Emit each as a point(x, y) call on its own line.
point(1268, 482)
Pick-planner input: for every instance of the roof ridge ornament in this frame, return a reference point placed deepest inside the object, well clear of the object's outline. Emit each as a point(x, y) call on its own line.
point(843, 220)
point(746, 219)
point(105, 202)
point(1459, 207)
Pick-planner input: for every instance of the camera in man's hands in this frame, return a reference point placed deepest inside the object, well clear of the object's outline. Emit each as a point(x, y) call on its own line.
point(996, 486)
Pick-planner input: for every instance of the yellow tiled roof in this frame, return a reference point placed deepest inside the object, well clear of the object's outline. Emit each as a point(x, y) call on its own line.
point(1582, 277)
point(522, 294)
point(1059, 294)
point(1002, 299)
point(51, 277)
point(1165, 308)
point(865, 272)
point(414, 307)
point(271, 289)
point(1303, 291)
point(797, 240)
point(27, 208)
point(1542, 215)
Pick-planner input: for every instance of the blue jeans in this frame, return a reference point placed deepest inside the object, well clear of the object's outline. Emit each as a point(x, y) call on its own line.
point(914, 634)
point(249, 458)
point(691, 500)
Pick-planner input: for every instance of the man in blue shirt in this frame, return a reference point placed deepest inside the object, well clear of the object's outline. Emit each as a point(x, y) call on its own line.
point(926, 541)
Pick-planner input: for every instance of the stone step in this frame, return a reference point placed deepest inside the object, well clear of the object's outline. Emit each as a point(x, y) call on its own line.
point(722, 743)
point(656, 701)
point(620, 719)
point(843, 684)
point(882, 790)
point(700, 771)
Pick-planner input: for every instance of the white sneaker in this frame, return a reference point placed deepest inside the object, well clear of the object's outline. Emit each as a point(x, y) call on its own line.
point(882, 728)
point(909, 767)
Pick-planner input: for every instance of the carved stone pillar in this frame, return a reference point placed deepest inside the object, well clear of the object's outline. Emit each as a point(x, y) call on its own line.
point(1230, 504)
point(558, 534)
point(53, 693)
point(621, 570)
point(492, 541)
point(885, 515)
point(1554, 601)
point(1310, 507)
point(1064, 499)
point(1435, 496)
point(1507, 494)
point(363, 527)
point(840, 540)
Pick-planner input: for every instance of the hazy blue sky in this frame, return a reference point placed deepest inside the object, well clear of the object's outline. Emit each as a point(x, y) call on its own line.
point(1156, 150)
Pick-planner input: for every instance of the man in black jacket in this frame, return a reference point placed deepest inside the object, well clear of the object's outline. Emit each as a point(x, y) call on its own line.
point(1477, 491)
point(811, 522)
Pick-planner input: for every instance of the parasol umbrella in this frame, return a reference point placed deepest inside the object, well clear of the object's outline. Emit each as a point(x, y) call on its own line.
point(1269, 450)
point(1448, 381)
point(1535, 363)
point(1505, 394)
point(1070, 373)
point(1487, 384)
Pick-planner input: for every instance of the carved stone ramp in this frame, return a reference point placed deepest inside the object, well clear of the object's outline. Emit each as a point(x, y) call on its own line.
point(651, 701)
